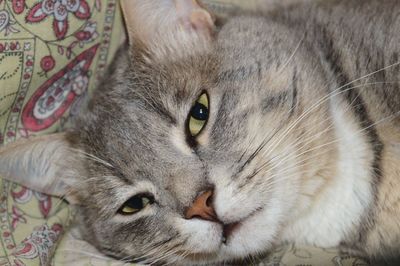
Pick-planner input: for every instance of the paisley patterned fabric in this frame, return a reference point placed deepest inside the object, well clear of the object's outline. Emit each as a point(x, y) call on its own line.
point(31, 224)
point(52, 55)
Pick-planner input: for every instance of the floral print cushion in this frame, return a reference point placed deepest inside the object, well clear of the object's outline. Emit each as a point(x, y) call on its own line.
point(31, 224)
point(53, 53)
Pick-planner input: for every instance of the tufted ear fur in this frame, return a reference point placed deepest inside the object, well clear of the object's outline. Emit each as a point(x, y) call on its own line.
point(163, 27)
point(43, 164)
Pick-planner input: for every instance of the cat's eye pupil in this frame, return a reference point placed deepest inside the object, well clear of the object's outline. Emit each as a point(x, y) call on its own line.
point(198, 115)
point(199, 112)
point(136, 204)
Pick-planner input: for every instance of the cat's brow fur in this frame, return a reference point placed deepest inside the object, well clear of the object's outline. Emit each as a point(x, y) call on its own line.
point(303, 131)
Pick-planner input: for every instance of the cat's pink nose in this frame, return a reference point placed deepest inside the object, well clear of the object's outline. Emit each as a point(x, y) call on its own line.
point(202, 208)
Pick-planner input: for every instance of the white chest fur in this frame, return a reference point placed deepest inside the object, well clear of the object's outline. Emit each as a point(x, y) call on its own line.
point(339, 209)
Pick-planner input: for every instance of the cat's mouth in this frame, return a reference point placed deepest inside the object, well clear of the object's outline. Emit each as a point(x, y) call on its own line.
point(227, 237)
point(221, 251)
point(230, 229)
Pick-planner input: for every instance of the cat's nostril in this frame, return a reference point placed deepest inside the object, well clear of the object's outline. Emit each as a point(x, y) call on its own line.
point(202, 208)
point(195, 217)
point(209, 200)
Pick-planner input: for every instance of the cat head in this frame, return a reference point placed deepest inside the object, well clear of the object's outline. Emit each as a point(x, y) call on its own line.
point(198, 147)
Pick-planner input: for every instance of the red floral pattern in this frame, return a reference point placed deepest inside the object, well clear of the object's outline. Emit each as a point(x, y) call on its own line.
point(45, 203)
point(59, 10)
point(40, 243)
point(22, 195)
point(18, 6)
point(57, 62)
point(56, 95)
point(47, 63)
point(17, 217)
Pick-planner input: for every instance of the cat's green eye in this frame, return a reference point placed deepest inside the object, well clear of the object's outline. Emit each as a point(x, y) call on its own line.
point(136, 204)
point(198, 115)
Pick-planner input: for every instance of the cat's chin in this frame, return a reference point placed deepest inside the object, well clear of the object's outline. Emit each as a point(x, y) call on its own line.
point(209, 259)
point(219, 258)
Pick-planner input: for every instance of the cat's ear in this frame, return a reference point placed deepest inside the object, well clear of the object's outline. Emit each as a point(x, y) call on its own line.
point(42, 164)
point(163, 27)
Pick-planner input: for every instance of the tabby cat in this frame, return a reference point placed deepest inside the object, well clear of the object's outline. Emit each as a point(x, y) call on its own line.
point(214, 140)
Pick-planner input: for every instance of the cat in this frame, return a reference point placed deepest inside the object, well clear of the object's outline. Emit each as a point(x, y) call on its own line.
point(216, 140)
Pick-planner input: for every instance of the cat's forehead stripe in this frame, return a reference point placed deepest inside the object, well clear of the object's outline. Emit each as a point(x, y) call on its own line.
point(275, 101)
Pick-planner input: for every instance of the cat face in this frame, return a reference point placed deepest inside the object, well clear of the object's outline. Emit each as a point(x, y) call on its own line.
point(249, 156)
point(196, 149)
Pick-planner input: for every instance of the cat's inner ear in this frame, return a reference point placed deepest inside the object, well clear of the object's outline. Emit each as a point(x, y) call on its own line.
point(168, 27)
point(46, 164)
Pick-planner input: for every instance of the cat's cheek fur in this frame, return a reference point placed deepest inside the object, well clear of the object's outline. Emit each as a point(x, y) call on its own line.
point(233, 204)
point(260, 207)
